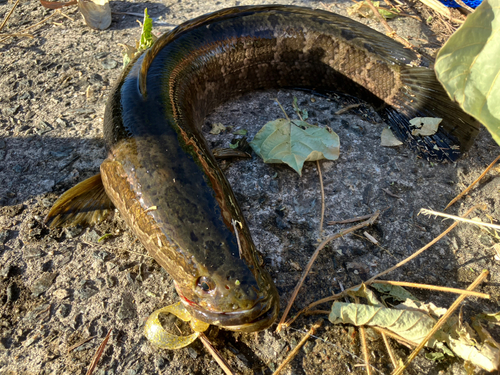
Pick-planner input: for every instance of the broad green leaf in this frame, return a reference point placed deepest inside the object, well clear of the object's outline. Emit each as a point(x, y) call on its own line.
point(468, 66)
point(414, 324)
point(294, 142)
point(411, 325)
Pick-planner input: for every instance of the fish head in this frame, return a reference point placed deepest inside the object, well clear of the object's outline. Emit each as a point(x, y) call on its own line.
point(237, 297)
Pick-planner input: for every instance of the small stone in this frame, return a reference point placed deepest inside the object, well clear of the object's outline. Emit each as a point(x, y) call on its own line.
point(111, 281)
point(4, 236)
point(43, 283)
point(109, 64)
point(127, 309)
point(61, 293)
point(43, 127)
point(72, 232)
point(33, 253)
point(46, 202)
point(13, 293)
point(101, 254)
point(192, 352)
point(87, 291)
point(6, 270)
point(63, 311)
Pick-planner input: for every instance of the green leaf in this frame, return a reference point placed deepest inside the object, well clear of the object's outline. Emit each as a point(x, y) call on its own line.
point(393, 291)
point(241, 132)
point(294, 142)
point(468, 66)
point(217, 128)
point(147, 37)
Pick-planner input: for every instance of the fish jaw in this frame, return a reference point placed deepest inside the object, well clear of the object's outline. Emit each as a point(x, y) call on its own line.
point(256, 318)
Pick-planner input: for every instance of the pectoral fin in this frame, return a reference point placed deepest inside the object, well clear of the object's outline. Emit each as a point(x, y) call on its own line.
point(86, 203)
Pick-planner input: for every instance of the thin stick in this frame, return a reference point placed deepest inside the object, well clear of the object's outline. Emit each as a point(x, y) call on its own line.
point(215, 353)
point(322, 198)
point(80, 343)
point(389, 29)
point(9, 14)
point(434, 287)
point(411, 257)
point(313, 258)
point(389, 350)
point(425, 211)
point(347, 108)
point(417, 253)
point(277, 101)
point(295, 350)
point(366, 355)
point(35, 25)
point(440, 322)
point(98, 353)
point(353, 220)
point(129, 14)
point(234, 222)
point(394, 336)
point(474, 183)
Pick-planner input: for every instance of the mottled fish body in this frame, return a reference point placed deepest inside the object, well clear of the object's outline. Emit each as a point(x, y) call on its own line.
point(164, 180)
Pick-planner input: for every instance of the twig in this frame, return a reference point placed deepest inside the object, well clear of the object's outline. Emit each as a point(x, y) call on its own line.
point(293, 353)
point(440, 322)
point(389, 29)
point(463, 5)
point(98, 353)
point(129, 14)
point(389, 350)
point(366, 355)
point(441, 9)
point(417, 253)
point(388, 192)
point(215, 353)
point(313, 258)
point(36, 24)
point(353, 220)
point(425, 211)
point(234, 222)
point(322, 198)
point(80, 343)
point(370, 281)
point(347, 108)
point(394, 336)
point(434, 287)
point(474, 183)
point(9, 14)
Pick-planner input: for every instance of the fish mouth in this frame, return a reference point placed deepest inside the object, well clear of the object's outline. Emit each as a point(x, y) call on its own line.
point(260, 316)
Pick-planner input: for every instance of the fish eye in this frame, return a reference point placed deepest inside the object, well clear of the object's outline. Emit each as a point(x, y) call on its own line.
point(206, 284)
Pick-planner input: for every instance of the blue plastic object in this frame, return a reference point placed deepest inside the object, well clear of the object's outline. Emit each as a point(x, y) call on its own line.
point(472, 3)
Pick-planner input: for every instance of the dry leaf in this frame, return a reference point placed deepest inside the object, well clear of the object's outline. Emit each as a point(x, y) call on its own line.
point(97, 13)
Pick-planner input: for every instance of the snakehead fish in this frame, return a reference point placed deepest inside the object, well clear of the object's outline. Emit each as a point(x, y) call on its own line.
point(162, 177)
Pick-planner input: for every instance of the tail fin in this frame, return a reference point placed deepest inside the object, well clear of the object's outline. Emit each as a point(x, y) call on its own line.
point(423, 96)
